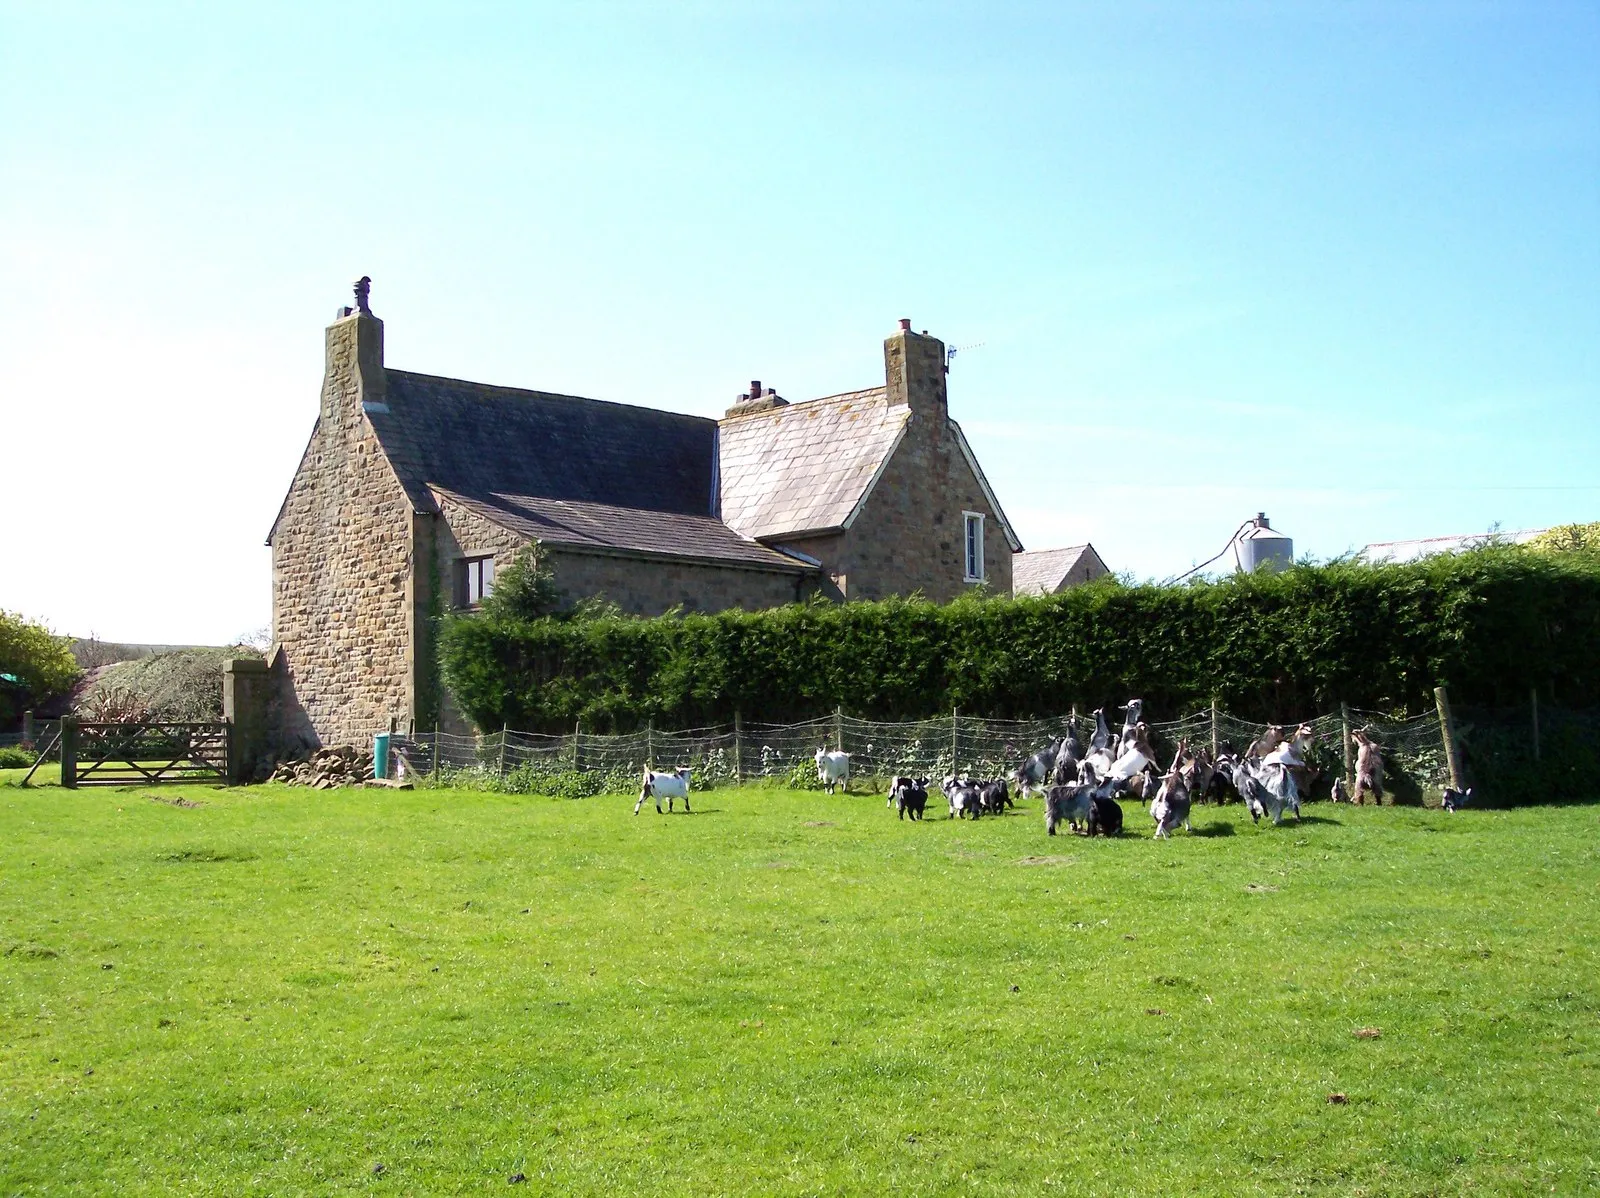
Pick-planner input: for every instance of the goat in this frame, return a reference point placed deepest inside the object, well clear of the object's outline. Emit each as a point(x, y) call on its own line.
point(1197, 775)
point(1369, 768)
point(1067, 804)
point(1170, 807)
point(664, 786)
point(1105, 816)
point(994, 796)
point(1268, 789)
point(1455, 800)
point(1136, 754)
point(1031, 775)
point(1135, 712)
point(1102, 731)
point(1223, 788)
point(833, 769)
point(909, 795)
point(964, 797)
point(1269, 740)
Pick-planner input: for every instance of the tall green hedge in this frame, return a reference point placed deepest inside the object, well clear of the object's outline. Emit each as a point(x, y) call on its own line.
point(1491, 624)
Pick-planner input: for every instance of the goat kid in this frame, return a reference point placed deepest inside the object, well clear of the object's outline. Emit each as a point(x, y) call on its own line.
point(909, 795)
point(1170, 807)
point(1105, 816)
point(964, 797)
point(1067, 804)
point(664, 786)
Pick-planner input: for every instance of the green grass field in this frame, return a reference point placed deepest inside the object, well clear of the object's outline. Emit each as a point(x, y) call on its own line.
point(277, 991)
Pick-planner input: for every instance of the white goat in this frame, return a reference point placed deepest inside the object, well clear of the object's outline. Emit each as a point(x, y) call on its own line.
point(833, 769)
point(664, 786)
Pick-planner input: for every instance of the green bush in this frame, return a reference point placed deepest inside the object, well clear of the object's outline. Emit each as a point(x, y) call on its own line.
point(185, 684)
point(1490, 623)
point(15, 759)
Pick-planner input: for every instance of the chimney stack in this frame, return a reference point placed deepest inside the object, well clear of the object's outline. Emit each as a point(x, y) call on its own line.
point(914, 374)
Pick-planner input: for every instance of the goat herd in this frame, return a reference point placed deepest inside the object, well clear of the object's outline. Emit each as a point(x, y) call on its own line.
point(1081, 787)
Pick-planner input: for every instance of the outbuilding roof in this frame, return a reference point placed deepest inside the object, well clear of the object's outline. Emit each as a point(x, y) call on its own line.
point(607, 527)
point(1042, 571)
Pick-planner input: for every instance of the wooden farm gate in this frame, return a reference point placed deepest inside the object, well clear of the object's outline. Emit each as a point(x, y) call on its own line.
point(145, 754)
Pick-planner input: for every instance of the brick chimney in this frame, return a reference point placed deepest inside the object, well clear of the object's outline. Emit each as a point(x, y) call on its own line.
point(353, 364)
point(913, 369)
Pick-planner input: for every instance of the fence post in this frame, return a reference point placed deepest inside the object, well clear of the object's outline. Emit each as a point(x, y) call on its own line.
point(27, 729)
point(1349, 766)
point(650, 743)
point(394, 726)
point(503, 729)
point(69, 751)
point(1447, 730)
point(1533, 700)
point(955, 738)
point(1215, 742)
point(838, 728)
point(577, 753)
point(738, 747)
point(436, 751)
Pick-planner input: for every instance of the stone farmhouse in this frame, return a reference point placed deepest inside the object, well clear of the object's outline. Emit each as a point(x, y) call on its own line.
point(413, 487)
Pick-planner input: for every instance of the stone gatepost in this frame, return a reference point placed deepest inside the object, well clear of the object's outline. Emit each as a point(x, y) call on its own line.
point(246, 703)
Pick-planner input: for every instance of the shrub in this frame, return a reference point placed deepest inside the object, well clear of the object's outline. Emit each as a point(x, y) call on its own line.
point(41, 663)
point(185, 684)
point(15, 759)
point(1490, 623)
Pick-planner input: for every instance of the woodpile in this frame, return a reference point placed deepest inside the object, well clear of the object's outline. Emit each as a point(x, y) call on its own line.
point(342, 765)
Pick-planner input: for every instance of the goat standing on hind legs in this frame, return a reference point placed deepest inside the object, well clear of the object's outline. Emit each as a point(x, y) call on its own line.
point(1369, 768)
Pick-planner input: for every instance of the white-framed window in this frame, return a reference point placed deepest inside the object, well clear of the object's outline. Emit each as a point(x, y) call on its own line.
point(974, 546)
point(474, 580)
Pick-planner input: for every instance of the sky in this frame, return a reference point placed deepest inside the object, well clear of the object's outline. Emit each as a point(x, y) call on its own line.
point(1338, 262)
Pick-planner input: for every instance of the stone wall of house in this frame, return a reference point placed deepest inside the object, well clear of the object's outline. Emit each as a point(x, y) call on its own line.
point(911, 535)
point(342, 564)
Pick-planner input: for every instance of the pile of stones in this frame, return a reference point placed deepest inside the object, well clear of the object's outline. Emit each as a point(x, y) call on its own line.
point(342, 765)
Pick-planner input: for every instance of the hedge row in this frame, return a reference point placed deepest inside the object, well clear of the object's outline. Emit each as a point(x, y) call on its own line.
point(1491, 624)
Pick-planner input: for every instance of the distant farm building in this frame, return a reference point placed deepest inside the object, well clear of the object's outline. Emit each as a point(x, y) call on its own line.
point(1046, 571)
point(1410, 551)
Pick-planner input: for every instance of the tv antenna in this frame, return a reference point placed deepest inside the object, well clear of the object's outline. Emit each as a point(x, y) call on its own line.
point(951, 351)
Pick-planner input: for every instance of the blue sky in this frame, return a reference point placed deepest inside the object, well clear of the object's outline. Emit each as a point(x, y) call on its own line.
point(1339, 262)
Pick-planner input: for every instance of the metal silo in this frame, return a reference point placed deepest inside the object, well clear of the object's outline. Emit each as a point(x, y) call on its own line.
point(1260, 547)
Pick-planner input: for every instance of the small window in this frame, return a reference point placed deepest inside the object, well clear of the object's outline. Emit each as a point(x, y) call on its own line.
point(974, 522)
point(474, 581)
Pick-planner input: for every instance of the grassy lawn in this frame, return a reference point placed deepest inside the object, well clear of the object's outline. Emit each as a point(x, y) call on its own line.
point(277, 990)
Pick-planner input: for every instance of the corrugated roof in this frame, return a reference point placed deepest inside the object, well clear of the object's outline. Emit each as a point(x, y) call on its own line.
point(631, 530)
point(1042, 571)
point(1410, 551)
point(806, 467)
point(479, 440)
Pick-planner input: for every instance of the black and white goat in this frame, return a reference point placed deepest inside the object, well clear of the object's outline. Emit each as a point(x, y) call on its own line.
point(1034, 774)
point(909, 796)
point(1066, 804)
point(965, 798)
point(1170, 807)
point(664, 786)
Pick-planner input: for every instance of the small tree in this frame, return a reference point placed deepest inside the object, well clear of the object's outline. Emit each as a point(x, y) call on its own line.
point(524, 589)
point(40, 662)
point(1567, 538)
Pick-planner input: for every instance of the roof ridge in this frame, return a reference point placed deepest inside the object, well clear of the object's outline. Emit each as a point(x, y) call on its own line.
point(505, 388)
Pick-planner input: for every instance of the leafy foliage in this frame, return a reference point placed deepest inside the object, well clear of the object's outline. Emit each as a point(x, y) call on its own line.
point(41, 662)
point(524, 588)
point(182, 685)
point(12, 758)
point(1490, 623)
point(1569, 538)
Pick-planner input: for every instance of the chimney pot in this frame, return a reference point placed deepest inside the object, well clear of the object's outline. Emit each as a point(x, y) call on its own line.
point(905, 324)
point(755, 388)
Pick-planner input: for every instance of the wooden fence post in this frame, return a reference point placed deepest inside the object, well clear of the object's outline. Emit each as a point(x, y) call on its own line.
point(1533, 700)
point(1349, 766)
point(1215, 743)
point(577, 735)
point(738, 747)
point(436, 750)
point(69, 751)
point(955, 738)
point(650, 744)
point(1447, 731)
point(838, 728)
point(27, 729)
point(503, 729)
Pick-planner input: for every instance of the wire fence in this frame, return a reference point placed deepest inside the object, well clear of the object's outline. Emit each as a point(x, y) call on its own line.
point(1413, 748)
point(44, 734)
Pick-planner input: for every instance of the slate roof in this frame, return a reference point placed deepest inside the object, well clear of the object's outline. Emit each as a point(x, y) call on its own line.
point(478, 440)
point(1042, 571)
point(807, 466)
point(631, 530)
